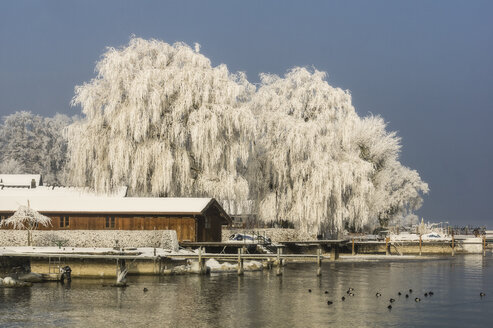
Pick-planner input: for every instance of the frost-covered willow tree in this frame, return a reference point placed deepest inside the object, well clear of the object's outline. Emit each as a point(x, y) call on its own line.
point(397, 189)
point(320, 165)
point(162, 120)
point(31, 143)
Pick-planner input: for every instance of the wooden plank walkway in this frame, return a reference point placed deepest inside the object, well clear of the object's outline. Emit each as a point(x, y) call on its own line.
point(171, 256)
point(236, 244)
point(272, 259)
point(317, 242)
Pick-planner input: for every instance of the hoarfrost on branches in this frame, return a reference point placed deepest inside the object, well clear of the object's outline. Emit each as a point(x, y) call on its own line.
point(27, 219)
point(321, 165)
point(33, 144)
point(11, 166)
point(162, 120)
point(397, 189)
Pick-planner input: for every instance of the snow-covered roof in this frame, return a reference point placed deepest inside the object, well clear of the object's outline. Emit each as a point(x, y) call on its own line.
point(19, 180)
point(47, 199)
point(99, 204)
point(52, 191)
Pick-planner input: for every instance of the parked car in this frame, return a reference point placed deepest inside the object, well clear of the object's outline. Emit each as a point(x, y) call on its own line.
point(246, 238)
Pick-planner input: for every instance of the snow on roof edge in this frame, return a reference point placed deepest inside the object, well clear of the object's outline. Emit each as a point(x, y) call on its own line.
point(93, 205)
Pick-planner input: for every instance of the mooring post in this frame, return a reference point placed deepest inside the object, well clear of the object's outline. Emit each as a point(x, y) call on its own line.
point(319, 261)
point(386, 245)
point(420, 241)
point(201, 262)
point(484, 245)
point(352, 248)
point(240, 262)
point(453, 245)
point(334, 252)
point(121, 271)
point(279, 266)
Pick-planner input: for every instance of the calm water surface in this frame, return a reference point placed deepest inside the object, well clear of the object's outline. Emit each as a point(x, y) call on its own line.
point(262, 299)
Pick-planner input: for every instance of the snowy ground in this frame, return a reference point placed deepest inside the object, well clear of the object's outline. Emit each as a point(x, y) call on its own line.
point(141, 252)
point(150, 252)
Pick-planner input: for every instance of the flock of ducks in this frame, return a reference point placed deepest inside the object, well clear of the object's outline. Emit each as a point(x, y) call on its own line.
point(417, 299)
point(350, 293)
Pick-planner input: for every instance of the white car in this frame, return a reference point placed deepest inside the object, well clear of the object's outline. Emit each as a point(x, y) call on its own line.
point(253, 239)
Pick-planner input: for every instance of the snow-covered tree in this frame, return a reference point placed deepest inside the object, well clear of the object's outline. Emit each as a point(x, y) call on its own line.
point(11, 166)
point(55, 159)
point(21, 140)
point(26, 218)
point(397, 189)
point(404, 221)
point(311, 172)
point(320, 165)
point(162, 120)
point(33, 144)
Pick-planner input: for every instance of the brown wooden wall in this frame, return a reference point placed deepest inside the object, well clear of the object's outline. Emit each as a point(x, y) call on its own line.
point(214, 225)
point(205, 227)
point(185, 226)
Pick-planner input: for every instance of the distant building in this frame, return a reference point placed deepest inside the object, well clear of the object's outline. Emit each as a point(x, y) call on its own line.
point(20, 180)
point(194, 219)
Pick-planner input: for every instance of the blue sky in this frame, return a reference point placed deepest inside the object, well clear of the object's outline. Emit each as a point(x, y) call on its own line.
point(425, 66)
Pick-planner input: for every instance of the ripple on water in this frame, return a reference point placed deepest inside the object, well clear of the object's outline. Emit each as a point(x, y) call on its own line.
point(262, 299)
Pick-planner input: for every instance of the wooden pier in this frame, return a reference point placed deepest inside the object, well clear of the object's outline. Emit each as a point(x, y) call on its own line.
point(419, 247)
point(334, 245)
point(222, 247)
point(106, 264)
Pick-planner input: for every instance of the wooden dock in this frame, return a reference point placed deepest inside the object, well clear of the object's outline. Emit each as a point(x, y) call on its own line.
point(146, 262)
point(106, 265)
point(222, 247)
point(335, 246)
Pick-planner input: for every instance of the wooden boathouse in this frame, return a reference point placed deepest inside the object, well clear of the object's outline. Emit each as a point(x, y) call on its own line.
point(194, 219)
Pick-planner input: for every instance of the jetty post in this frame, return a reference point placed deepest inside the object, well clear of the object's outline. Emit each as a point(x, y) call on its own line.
point(319, 261)
point(121, 271)
point(240, 262)
point(279, 266)
point(420, 242)
point(334, 252)
point(201, 262)
point(352, 248)
point(387, 245)
point(453, 245)
point(484, 245)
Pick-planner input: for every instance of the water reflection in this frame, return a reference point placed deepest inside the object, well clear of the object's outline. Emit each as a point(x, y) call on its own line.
point(263, 299)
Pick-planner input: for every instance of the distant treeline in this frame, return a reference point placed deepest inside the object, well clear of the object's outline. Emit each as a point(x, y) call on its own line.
point(34, 144)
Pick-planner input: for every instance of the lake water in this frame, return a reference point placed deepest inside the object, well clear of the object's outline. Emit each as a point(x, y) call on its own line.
point(262, 299)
